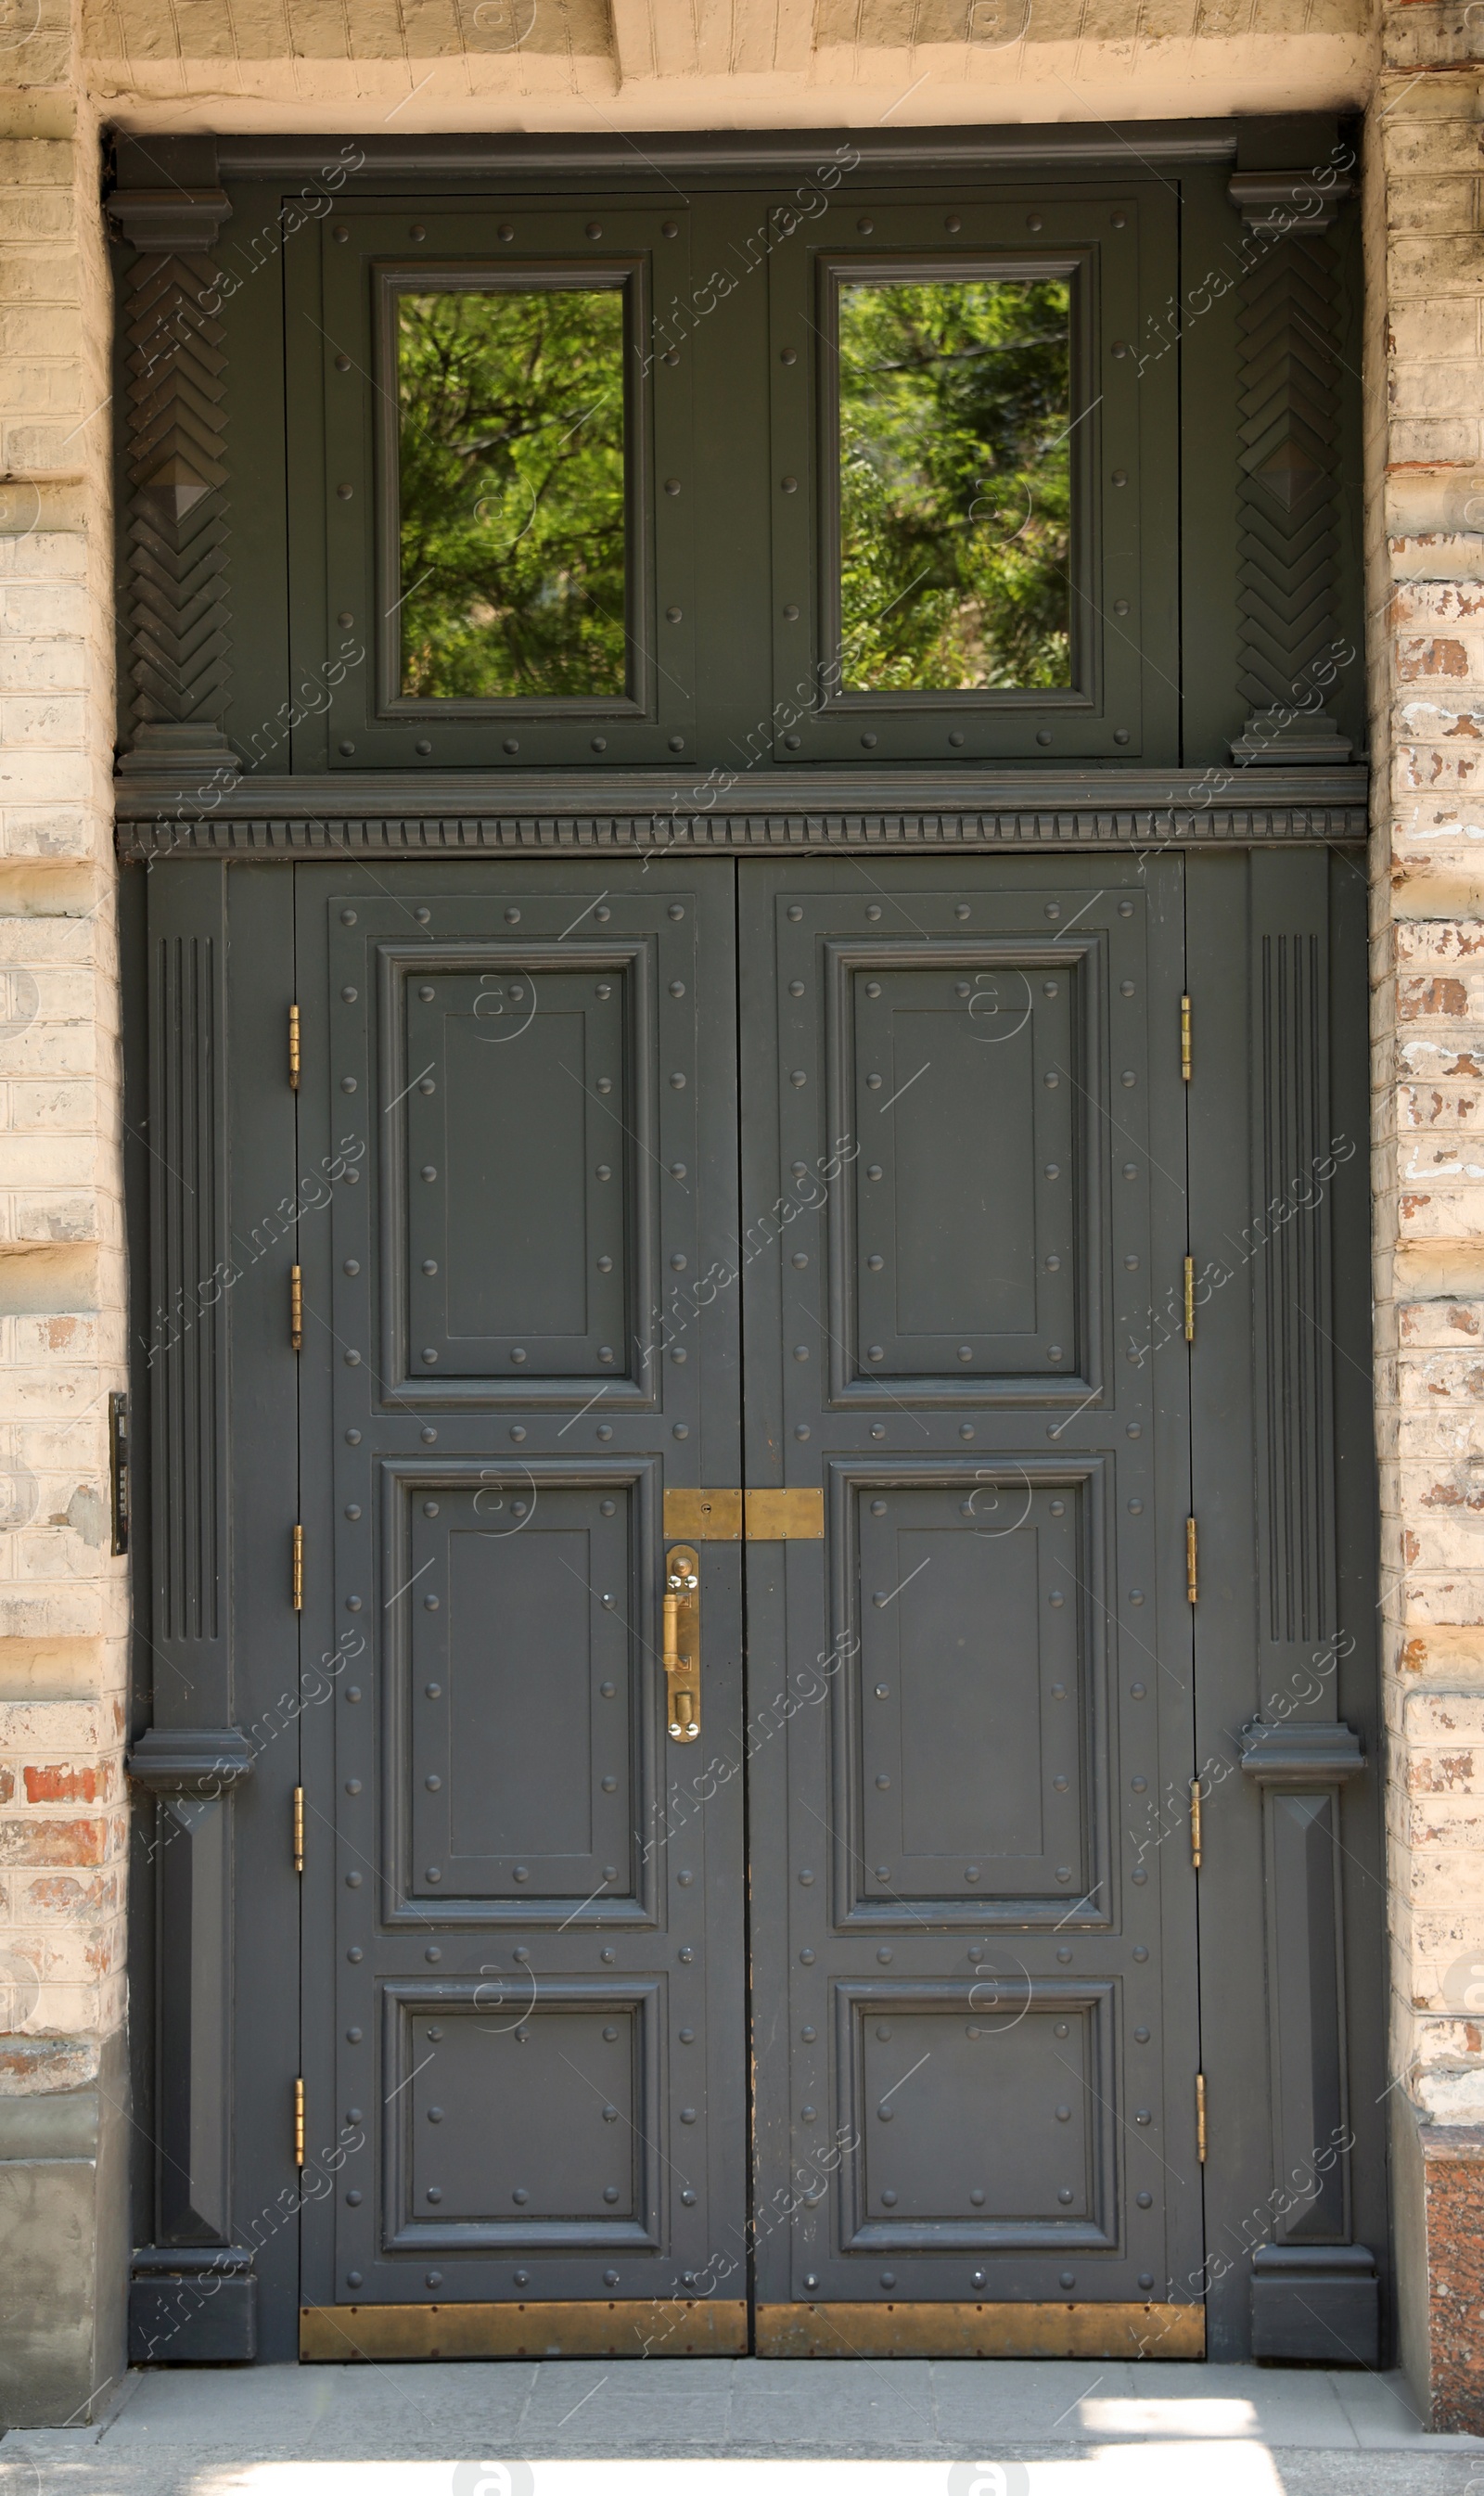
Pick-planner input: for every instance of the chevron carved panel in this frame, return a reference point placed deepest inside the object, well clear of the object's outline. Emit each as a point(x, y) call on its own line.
point(175, 591)
point(1288, 406)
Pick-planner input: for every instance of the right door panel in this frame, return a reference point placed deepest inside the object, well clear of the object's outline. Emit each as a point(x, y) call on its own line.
point(964, 1141)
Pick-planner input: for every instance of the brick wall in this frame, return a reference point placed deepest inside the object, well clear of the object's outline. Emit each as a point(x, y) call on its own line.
point(1427, 559)
point(1425, 397)
point(62, 1820)
point(61, 1269)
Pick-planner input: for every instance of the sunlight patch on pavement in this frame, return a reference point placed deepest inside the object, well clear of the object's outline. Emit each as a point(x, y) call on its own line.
point(1221, 2467)
point(1183, 2418)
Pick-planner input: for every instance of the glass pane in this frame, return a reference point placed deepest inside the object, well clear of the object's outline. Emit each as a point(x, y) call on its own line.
point(512, 459)
point(955, 484)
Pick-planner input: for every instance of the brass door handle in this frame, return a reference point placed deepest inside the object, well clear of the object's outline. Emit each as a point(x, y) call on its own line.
point(682, 1643)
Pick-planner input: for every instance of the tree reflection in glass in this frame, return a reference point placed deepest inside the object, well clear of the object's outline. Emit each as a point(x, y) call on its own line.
point(955, 484)
point(511, 421)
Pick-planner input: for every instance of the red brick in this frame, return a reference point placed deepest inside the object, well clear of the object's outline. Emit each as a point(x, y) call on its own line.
point(61, 1893)
point(53, 1841)
point(1432, 659)
point(57, 2062)
point(64, 1785)
point(1418, 997)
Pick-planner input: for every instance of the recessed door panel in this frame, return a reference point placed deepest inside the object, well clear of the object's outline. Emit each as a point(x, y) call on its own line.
point(959, 1070)
point(519, 1680)
point(515, 1085)
point(517, 1158)
point(969, 1246)
point(520, 2123)
point(980, 1685)
point(920, 2066)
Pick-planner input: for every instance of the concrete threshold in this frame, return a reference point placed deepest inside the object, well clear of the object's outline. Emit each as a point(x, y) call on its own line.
point(749, 2427)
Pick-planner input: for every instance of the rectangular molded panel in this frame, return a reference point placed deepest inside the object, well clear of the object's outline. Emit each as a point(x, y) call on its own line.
point(968, 1254)
point(968, 1246)
point(922, 2064)
point(513, 1183)
point(517, 1176)
point(979, 1682)
point(521, 2114)
point(518, 1680)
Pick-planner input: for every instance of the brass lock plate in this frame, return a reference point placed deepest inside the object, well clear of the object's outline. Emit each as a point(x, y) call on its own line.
point(755, 1515)
point(704, 1516)
point(682, 1643)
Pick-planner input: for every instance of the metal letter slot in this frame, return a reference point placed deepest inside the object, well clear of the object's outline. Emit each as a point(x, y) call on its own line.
point(682, 1641)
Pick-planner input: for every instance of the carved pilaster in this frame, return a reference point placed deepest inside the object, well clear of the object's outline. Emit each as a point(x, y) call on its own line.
point(1288, 413)
point(175, 613)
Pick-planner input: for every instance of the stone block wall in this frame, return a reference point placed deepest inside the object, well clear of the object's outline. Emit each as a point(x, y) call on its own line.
point(62, 1597)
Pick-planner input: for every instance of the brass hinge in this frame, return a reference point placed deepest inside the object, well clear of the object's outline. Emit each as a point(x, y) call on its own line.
point(1195, 1823)
point(296, 1308)
point(294, 1048)
point(1185, 1040)
point(1200, 2116)
point(1190, 1298)
point(299, 1828)
point(298, 1568)
point(1190, 1585)
point(298, 2123)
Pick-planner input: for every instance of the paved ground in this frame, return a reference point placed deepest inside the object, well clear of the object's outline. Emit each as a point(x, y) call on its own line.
point(750, 2427)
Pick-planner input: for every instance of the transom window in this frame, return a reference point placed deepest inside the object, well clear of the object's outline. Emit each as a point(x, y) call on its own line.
point(511, 491)
point(954, 483)
point(710, 486)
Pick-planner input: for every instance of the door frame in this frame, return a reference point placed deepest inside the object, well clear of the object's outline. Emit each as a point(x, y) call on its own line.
point(216, 1981)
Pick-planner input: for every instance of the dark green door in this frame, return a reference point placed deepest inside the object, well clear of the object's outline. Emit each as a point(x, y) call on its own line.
point(962, 1127)
point(971, 2083)
point(526, 2006)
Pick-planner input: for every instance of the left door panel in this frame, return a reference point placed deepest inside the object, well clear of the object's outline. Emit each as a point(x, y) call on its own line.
point(523, 2007)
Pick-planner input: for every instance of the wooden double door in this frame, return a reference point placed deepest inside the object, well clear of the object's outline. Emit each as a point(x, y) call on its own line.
point(746, 1465)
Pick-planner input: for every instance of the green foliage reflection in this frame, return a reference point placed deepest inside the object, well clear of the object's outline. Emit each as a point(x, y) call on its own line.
point(955, 484)
point(512, 424)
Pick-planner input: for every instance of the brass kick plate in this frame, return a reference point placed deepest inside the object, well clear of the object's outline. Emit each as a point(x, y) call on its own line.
point(644, 2327)
point(921, 2331)
point(770, 1515)
point(703, 1516)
